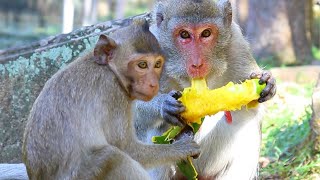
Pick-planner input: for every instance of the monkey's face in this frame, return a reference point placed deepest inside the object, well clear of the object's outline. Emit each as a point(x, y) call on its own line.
point(143, 73)
point(194, 36)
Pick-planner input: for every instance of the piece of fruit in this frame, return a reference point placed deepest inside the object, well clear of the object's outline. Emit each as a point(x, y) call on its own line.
point(200, 101)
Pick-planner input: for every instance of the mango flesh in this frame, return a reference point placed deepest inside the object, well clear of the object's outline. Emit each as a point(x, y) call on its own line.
point(200, 101)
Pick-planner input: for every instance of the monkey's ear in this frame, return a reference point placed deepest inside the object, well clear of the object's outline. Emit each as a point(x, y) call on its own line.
point(103, 51)
point(227, 12)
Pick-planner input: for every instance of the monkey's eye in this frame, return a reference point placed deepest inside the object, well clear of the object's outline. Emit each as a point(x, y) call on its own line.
point(206, 33)
point(158, 64)
point(184, 34)
point(143, 65)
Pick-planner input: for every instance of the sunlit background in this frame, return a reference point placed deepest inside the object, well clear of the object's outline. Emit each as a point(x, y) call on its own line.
point(28, 20)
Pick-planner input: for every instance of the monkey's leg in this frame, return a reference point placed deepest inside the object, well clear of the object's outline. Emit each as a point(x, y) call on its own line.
point(109, 162)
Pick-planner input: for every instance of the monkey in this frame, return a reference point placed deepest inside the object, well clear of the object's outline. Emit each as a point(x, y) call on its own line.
point(200, 39)
point(81, 127)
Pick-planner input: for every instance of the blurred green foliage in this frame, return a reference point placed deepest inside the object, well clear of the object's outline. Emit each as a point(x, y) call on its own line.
point(285, 140)
point(316, 52)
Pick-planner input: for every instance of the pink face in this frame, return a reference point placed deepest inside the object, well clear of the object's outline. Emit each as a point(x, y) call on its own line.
point(196, 41)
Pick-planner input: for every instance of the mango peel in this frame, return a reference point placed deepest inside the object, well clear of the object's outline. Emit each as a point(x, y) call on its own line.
point(200, 101)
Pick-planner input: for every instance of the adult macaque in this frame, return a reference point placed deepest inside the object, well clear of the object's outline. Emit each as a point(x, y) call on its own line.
point(80, 126)
point(200, 40)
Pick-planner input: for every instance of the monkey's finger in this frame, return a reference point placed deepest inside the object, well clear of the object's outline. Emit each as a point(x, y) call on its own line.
point(266, 90)
point(175, 94)
point(271, 84)
point(255, 75)
point(269, 96)
point(174, 110)
point(196, 156)
point(265, 77)
point(173, 102)
point(272, 81)
point(173, 120)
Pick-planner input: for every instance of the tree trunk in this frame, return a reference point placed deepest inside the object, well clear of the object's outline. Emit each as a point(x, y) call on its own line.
point(241, 12)
point(89, 12)
point(120, 8)
point(300, 24)
point(277, 30)
point(68, 15)
point(316, 25)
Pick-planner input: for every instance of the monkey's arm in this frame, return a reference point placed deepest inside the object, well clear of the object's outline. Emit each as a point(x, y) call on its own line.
point(149, 115)
point(109, 162)
point(165, 154)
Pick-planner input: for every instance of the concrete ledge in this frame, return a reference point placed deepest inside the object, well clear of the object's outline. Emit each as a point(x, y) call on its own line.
point(13, 172)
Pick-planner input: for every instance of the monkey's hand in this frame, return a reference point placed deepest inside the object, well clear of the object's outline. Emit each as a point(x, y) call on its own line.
point(170, 108)
point(270, 90)
point(187, 146)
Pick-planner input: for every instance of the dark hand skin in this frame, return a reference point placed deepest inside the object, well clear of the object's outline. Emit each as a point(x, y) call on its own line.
point(171, 108)
point(270, 90)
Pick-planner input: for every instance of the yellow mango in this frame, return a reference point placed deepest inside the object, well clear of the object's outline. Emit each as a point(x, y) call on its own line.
point(200, 101)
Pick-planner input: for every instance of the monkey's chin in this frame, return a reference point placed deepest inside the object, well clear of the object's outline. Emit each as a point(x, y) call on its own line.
point(142, 96)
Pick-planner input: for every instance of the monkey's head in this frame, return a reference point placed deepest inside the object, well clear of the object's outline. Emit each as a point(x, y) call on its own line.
point(194, 35)
point(134, 56)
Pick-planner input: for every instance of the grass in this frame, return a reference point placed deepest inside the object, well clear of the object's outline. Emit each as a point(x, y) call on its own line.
point(315, 52)
point(285, 140)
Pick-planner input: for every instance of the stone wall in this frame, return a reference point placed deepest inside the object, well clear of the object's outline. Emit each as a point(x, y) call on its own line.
point(24, 70)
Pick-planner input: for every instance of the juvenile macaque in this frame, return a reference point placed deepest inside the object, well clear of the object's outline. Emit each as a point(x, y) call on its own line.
point(80, 126)
point(200, 40)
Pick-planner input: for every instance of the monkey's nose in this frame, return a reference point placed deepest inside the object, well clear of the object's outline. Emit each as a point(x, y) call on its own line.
point(197, 66)
point(154, 87)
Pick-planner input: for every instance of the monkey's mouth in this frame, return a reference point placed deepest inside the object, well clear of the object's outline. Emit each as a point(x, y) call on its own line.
point(200, 72)
point(197, 73)
point(143, 95)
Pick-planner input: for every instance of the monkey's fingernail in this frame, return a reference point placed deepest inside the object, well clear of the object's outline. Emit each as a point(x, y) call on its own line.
point(260, 100)
point(176, 96)
point(261, 82)
point(195, 156)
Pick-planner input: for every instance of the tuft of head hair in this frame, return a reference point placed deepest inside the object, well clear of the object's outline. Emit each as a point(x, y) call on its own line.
point(198, 1)
point(137, 35)
point(142, 22)
point(198, 9)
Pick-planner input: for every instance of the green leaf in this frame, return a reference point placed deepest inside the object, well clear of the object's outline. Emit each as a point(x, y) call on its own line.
point(167, 136)
point(187, 169)
point(195, 126)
